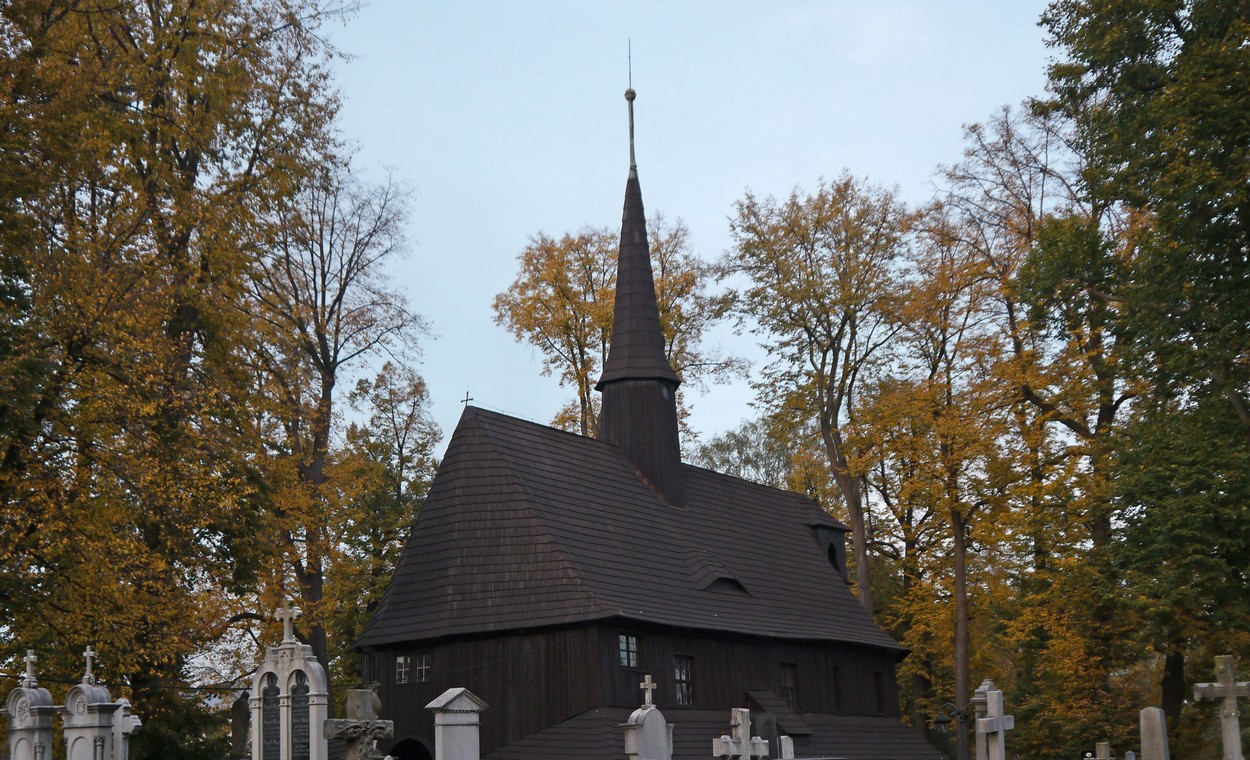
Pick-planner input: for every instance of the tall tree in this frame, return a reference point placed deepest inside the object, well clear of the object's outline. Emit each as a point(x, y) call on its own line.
point(1159, 91)
point(137, 143)
point(562, 299)
point(319, 288)
point(820, 273)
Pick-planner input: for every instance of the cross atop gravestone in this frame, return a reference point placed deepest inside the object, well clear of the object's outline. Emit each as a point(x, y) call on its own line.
point(288, 615)
point(648, 686)
point(1227, 689)
point(739, 744)
point(89, 655)
point(992, 729)
point(28, 678)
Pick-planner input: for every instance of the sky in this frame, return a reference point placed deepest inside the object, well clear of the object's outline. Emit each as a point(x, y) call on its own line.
point(506, 119)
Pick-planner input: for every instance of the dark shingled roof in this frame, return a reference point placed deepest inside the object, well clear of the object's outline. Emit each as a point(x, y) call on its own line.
point(529, 526)
point(597, 734)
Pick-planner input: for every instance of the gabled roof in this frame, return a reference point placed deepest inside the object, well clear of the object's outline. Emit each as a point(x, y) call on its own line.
point(528, 526)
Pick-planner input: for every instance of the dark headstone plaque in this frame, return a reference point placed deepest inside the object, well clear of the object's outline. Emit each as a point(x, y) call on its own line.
point(300, 734)
point(270, 721)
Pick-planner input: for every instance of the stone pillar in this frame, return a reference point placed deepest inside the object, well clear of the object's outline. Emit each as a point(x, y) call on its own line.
point(457, 716)
point(1154, 734)
point(125, 725)
point(29, 711)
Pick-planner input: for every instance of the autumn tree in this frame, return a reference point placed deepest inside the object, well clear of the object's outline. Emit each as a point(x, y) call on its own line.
point(562, 300)
point(818, 274)
point(324, 305)
point(137, 144)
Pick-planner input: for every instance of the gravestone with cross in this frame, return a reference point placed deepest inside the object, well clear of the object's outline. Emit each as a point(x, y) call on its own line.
point(992, 727)
point(96, 727)
point(361, 729)
point(29, 710)
point(648, 736)
point(738, 743)
point(1227, 689)
point(290, 699)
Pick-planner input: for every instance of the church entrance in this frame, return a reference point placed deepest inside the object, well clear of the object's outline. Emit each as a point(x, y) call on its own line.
point(410, 749)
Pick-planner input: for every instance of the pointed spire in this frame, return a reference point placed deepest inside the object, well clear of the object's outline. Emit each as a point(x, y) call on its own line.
point(639, 412)
point(637, 350)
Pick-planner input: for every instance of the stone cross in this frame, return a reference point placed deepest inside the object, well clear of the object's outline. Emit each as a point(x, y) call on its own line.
point(648, 687)
point(28, 678)
point(992, 729)
point(1227, 689)
point(288, 615)
point(740, 745)
point(89, 655)
point(1154, 734)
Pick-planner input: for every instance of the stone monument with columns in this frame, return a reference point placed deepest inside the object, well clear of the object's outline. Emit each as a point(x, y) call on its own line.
point(29, 710)
point(96, 727)
point(290, 699)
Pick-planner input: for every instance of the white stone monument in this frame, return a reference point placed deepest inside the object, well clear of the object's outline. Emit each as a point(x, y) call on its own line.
point(1227, 689)
point(648, 736)
point(991, 730)
point(1154, 734)
point(1102, 751)
point(457, 716)
point(29, 710)
point(290, 699)
point(87, 718)
point(738, 743)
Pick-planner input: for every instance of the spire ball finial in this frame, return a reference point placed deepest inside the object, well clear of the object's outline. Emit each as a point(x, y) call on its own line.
point(630, 94)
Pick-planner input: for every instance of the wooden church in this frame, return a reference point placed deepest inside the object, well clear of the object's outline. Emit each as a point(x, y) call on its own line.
point(549, 573)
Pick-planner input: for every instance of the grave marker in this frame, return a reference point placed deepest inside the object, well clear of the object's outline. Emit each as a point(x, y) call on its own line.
point(991, 730)
point(1154, 734)
point(457, 715)
point(290, 701)
point(648, 736)
point(361, 730)
point(29, 710)
point(1228, 690)
point(739, 744)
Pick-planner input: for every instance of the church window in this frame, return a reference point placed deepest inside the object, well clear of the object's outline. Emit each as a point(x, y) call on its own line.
point(629, 650)
point(421, 671)
point(403, 668)
point(790, 684)
point(683, 668)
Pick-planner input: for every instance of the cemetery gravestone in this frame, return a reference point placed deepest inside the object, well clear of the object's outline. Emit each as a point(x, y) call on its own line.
point(362, 729)
point(1154, 734)
point(1228, 690)
point(648, 736)
point(991, 730)
point(1102, 751)
point(739, 744)
point(291, 697)
point(240, 725)
point(29, 709)
point(457, 715)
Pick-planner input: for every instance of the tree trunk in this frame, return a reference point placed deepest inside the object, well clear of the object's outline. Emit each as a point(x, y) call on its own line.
point(960, 560)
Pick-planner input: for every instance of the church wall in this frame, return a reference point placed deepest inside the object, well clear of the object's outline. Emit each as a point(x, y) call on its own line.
point(530, 681)
point(828, 678)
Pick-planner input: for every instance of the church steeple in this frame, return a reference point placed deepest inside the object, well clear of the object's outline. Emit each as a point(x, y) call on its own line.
point(638, 384)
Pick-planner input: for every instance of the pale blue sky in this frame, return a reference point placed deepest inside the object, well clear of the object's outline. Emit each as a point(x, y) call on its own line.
point(507, 118)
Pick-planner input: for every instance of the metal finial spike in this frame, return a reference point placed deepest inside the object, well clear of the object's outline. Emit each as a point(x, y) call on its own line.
point(629, 96)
